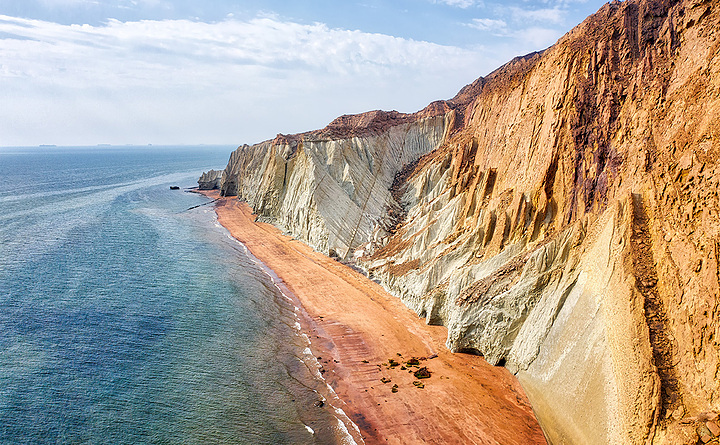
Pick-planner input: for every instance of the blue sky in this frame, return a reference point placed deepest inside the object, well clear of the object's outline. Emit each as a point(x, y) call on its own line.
point(85, 72)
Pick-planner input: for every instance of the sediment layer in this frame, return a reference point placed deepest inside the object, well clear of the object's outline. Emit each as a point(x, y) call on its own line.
point(356, 328)
point(559, 217)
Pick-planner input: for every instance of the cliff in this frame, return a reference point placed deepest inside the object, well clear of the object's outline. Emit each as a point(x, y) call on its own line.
point(560, 216)
point(330, 188)
point(210, 180)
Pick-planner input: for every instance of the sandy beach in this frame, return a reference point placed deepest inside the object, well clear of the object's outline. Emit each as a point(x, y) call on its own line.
point(357, 327)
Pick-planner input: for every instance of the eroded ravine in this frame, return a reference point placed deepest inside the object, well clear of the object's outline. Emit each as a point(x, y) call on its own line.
point(661, 337)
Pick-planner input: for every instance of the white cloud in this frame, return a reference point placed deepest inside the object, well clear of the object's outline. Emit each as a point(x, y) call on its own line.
point(460, 3)
point(523, 29)
point(231, 81)
point(538, 37)
point(554, 16)
point(518, 40)
point(145, 50)
point(566, 3)
point(67, 3)
point(492, 25)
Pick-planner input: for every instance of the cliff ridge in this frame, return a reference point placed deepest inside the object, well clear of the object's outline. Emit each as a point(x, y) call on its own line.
point(559, 216)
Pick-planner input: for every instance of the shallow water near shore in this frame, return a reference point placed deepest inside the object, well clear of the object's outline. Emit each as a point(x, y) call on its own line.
point(126, 318)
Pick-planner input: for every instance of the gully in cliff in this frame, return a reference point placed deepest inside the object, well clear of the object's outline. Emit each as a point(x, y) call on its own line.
point(558, 217)
point(355, 325)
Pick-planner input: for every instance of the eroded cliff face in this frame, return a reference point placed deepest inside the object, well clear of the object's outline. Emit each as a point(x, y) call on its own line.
point(560, 216)
point(210, 180)
point(333, 191)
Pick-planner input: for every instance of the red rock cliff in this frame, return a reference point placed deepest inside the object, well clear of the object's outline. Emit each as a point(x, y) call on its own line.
point(560, 216)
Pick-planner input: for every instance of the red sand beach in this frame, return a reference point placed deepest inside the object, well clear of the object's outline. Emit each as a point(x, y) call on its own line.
point(356, 326)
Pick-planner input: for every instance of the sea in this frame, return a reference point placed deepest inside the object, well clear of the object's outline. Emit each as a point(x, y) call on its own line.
point(128, 315)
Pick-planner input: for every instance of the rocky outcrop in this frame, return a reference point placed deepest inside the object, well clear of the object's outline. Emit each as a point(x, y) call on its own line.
point(560, 216)
point(331, 188)
point(210, 180)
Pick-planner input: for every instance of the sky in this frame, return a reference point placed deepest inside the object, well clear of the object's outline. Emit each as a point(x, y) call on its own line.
point(87, 72)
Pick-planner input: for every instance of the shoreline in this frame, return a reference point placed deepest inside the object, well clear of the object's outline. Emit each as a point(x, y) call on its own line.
point(307, 326)
point(355, 327)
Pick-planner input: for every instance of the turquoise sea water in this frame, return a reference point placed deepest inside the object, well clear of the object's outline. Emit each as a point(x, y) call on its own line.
point(126, 318)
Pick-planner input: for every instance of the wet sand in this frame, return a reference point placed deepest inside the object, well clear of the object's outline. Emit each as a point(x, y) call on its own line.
point(356, 327)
